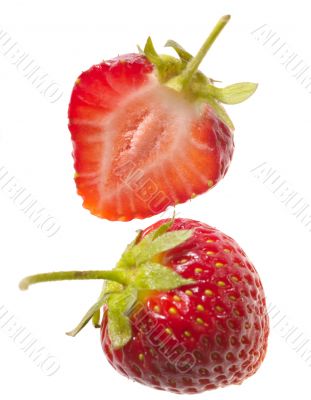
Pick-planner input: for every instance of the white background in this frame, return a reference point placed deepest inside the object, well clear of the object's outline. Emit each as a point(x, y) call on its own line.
point(273, 127)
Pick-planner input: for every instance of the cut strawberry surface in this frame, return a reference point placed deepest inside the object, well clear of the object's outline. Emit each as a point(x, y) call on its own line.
point(150, 141)
point(149, 132)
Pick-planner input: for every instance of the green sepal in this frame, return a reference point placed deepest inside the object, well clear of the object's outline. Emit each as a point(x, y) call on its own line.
point(185, 57)
point(219, 111)
point(93, 313)
point(140, 50)
point(154, 276)
point(153, 244)
point(165, 65)
point(156, 233)
point(146, 250)
point(232, 94)
point(183, 75)
point(151, 53)
point(163, 228)
point(119, 326)
point(140, 273)
point(89, 315)
point(182, 53)
point(127, 258)
point(96, 319)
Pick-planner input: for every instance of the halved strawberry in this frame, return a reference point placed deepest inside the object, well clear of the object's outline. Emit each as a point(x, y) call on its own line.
point(149, 132)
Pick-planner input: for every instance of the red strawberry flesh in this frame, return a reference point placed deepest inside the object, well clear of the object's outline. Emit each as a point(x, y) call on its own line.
point(139, 146)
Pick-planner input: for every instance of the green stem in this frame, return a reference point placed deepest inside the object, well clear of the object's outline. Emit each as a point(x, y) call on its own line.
point(116, 276)
point(181, 82)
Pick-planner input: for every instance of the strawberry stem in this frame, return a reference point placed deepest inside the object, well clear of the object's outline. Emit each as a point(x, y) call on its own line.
point(193, 65)
point(116, 276)
point(182, 81)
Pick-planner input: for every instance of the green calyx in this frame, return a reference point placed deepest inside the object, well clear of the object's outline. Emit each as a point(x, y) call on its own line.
point(182, 75)
point(138, 272)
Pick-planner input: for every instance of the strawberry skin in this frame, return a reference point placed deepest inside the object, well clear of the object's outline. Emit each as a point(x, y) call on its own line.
point(203, 336)
point(139, 146)
point(184, 309)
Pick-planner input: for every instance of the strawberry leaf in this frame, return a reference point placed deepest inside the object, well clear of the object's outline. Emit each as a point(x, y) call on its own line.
point(119, 326)
point(154, 276)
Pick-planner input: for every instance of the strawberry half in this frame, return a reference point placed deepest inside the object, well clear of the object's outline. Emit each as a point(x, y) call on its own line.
point(148, 131)
point(184, 309)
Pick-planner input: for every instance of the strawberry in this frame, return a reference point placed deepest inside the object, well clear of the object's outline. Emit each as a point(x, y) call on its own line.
point(149, 131)
point(184, 309)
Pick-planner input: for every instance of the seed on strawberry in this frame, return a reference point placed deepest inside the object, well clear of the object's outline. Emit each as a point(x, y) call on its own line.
point(149, 131)
point(183, 310)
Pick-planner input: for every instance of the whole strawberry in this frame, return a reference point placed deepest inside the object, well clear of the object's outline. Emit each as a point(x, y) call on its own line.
point(184, 309)
point(149, 131)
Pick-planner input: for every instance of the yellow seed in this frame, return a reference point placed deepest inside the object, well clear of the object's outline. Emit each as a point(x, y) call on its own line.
point(210, 253)
point(182, 261)
point(193, 195)
point(219, 264)
point(168, 331)
point(236, 312)
point(176, 298)
point(226, 251)
point(219, 308)
point(78, 81)
point(210, 183)
point(221, 283)
point(156, 308)
point(200, 307)
point(198, 270)
point(231, 297)
point(235, 278)
point(141, 357)
point(208, 292)
point(200, 321)
point(210, 241)
point(189, 292)
point(187, 333)
point(172, 310)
